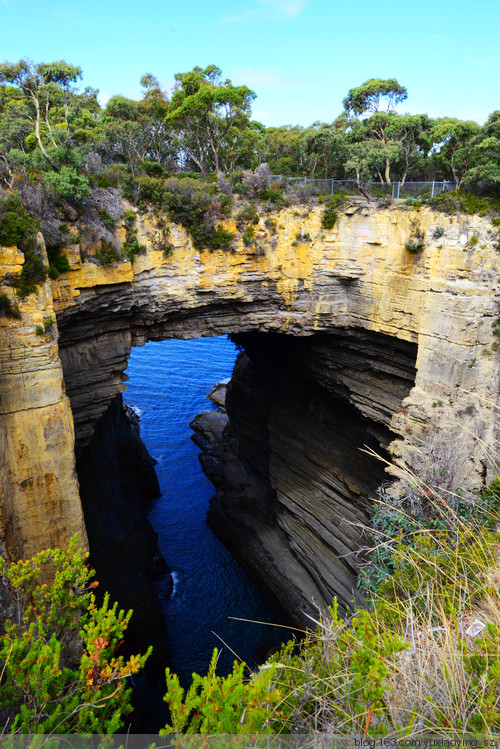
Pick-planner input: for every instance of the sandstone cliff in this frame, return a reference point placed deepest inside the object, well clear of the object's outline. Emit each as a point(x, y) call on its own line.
point(413, 352)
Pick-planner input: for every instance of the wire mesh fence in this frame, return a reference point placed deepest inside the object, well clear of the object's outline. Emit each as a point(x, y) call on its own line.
point(307, 187)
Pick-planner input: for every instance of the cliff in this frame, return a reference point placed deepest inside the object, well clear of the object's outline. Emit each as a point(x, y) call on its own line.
point(403, 340)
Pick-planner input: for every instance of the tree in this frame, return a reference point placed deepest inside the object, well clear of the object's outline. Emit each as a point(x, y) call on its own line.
point(455, 149)
point(42, 86)
point(205, 112)
point(367, 98)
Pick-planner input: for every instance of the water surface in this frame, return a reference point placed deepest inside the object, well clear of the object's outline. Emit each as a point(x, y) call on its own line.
point(168, 384)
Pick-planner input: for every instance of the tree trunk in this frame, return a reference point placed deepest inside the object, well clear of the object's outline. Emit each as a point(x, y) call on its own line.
point(388, 171)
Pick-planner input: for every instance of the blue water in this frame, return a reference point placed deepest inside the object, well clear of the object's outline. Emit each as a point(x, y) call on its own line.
point(168, 384)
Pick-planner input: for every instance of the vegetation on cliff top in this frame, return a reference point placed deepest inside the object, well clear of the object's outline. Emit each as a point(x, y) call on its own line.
point(189, 154)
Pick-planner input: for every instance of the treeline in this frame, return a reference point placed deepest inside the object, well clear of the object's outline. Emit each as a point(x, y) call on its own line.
point(52, 130)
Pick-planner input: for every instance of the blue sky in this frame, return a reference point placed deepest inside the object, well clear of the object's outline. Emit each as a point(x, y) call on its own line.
point(299, 56)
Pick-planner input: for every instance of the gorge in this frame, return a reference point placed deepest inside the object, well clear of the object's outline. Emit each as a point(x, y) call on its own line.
point(352, 344)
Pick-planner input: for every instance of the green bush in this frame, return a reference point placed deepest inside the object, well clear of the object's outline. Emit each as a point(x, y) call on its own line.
point(60, 669)
point(247, 215)
point(196, 206)
point(17, 227)
point(150, 188)
point(7, 309)
point(107, 254)
point(33, 273)
point(58, 262)
point(330, 215)
point(221, 705)
point(69, 184)
point(465, 202)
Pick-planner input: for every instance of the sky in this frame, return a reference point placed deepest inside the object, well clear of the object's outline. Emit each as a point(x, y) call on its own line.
point(300, 57)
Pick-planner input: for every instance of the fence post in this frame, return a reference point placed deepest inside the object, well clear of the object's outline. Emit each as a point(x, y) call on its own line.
point(432, 193)
point(305, 180)
point(332, 186)
point(399, 186)
point(393, 189)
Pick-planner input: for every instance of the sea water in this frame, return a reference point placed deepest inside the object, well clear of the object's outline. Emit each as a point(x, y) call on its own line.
point(168, 385)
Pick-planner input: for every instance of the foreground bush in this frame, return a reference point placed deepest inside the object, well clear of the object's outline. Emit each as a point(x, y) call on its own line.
point(58, 663)
point(425, 658)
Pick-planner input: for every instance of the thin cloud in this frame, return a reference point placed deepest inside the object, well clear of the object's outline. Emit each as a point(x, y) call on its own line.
point(267, 79)
point(277, 10)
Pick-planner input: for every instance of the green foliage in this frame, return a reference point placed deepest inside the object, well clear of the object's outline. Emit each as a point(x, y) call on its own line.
point(58, 262)
point(450, 565)
point(107, 254)
point(17, 227)
point(33, 273)
point(415, 246)
point(464, 202)
point(7, 309)
point(248, 236)
point(41, 330)
point(330, 215)
point(247, 215)
point(369, 96)
point(108, 221)
point(196, 206)
point(60, 673)
point(69, 184)
point(222, 705)
point(150, 188)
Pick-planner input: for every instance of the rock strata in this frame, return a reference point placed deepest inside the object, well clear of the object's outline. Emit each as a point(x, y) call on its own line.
point(400, 347)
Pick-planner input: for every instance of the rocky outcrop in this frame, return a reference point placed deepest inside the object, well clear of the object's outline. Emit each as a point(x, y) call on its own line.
point(399, 343)
point(39, 502)
point(295, 481)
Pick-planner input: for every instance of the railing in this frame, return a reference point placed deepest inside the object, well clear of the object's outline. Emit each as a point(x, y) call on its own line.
point(394, 189)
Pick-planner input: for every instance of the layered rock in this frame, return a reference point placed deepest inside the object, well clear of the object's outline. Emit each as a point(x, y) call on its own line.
point(434, 309)
point(39, 500)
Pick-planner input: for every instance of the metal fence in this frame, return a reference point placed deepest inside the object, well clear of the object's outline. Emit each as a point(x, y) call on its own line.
point(306, 185)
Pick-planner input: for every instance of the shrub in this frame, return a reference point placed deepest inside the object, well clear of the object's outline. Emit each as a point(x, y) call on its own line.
point(330, 215)
point(33, 273)
point(196, 205)
point(69, 184)
point(150, 188)
point(221, 705)
point(107, 254)
point(58, 262)
point(247, 215)
point(464, 202)
point(60, 671)
point(17, 227)
point(7, 309)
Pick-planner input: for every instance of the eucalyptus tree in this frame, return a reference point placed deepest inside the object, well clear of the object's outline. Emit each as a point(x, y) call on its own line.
point(41, 87)
point(206, 113)
point(455, 153)
point(373, 95)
